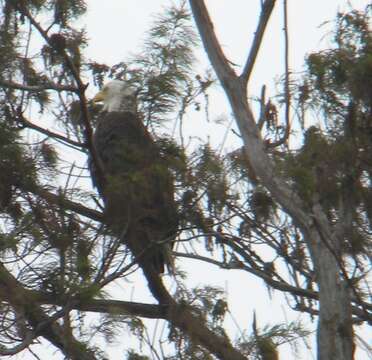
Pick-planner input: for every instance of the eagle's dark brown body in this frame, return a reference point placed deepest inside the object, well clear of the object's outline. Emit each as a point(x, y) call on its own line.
point(139, 191)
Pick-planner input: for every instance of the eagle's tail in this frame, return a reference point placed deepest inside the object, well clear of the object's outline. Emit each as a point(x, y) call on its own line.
point(163, 259)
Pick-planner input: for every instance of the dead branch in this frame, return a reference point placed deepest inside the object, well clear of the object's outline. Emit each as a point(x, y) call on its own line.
point(38, 88)
point(266, 11)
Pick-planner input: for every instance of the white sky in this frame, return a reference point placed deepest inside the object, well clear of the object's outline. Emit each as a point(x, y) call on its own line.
point(116, 29)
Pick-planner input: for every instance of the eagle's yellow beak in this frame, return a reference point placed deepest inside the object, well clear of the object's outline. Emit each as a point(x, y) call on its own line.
point(100, 96)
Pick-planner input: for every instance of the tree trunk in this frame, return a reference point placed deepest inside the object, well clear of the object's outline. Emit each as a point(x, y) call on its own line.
point(335, 340)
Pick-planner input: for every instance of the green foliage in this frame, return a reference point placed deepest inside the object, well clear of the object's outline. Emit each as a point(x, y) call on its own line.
point(132, 355)
point(173, 155)
point(205, 193)
point(66, 10)
point(162, 70)
point(83, 266)
point(9, 41)
point(17, 169)
point(72, 41)
point(49, 155)
point(170, 46)
point(240, 166)
point(341, 74)
point(333, 166)
point(263, 343)
point(210, 173)
point(69, 254)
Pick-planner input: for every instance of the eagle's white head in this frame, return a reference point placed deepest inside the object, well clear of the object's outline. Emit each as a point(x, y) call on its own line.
point(117, 95)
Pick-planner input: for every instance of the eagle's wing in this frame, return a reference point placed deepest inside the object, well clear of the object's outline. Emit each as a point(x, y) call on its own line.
point(139, 194)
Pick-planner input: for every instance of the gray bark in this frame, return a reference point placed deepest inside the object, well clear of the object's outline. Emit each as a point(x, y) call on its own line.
point(335, 340)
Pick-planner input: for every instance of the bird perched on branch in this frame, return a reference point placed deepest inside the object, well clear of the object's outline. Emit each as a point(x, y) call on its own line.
point(138, 190)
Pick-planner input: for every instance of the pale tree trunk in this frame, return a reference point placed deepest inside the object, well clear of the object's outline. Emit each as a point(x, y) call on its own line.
point(335, 331)
point(335, 340)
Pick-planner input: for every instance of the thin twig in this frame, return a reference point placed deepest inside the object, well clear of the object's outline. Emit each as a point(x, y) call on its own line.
point(287, 90)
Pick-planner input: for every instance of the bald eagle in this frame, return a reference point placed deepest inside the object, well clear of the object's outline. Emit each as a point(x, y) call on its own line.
point(138, 192)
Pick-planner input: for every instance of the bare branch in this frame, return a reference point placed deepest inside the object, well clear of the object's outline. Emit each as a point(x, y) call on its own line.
point(209, 39)
point(268, 279)
point(148, 311)
point(25, 122)
point(262, 119)
point(37, 88)
point(67, 204)
point(130, 308)
point(287, 91)
point(266, 11)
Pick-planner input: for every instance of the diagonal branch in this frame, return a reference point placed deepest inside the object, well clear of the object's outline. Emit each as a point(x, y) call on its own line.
point(266, 11)
point(253, 145)
point(209, 39)
point(335, 306)
point(182, 317)
point(66, 203)
point(14, 293)
point(27, 123)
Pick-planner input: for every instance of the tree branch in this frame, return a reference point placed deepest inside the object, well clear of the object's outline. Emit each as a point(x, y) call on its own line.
point(67, 204)
point(287, 91)
point(210, 42)
point(14, 293)
point(37, 88)
point(253, 144)
point(130, 308)
point(333, 296)
point(266, 11)
point(30, 125)
point(261, 274)
point(81, 87)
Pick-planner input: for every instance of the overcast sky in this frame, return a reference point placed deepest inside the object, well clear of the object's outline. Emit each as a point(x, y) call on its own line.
point(116, 29)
